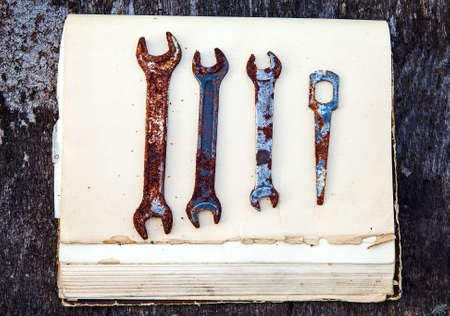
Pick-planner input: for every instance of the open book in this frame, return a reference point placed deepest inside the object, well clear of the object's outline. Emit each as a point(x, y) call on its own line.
point(346, 249)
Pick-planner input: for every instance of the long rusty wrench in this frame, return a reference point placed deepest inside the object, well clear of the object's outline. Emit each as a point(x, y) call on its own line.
point(158, 70)
point(322, 120)
point(204, 196)
point(264, 81)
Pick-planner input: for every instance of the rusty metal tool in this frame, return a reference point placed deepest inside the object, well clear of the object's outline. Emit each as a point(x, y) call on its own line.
point(158, 70)
point(204, 196)
point(322, 118)
point(264, 82)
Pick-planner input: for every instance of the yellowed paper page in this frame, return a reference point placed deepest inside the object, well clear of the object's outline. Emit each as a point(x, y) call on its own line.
point(103, 117)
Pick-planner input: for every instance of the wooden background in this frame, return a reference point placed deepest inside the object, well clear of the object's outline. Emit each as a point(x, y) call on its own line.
point(30, 33)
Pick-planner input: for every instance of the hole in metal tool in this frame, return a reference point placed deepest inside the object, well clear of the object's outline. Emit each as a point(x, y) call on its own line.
point(324, 91)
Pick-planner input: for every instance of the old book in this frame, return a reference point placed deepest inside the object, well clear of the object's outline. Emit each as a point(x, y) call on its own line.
point(346, 249)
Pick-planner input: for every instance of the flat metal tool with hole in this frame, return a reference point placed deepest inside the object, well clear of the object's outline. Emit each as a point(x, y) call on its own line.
point(157, 70)
point(264, 82)
point(204, 197)
point(322, 121)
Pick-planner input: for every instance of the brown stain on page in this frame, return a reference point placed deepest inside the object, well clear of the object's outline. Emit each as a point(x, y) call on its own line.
point(108, 261)
point(119, 240)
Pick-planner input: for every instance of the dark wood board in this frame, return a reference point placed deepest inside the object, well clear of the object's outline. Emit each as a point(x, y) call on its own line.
point(30, 33)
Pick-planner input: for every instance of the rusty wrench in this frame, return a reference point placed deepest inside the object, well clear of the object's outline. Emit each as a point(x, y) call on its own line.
point(264, 81)
point(322, 120)
point(204, 196)
point(158, 70)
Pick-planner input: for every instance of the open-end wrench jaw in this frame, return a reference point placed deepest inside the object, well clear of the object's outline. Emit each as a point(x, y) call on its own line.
point(200, 203)
point(271, 72)
point(264, 82)
point(156, 207)
point(220, 69)
point(162, 63)
point(262, 192)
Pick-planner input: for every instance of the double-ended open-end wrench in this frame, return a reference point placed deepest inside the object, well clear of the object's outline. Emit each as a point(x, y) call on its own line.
point(158, 70)
point(322, 120)
point(204, 196)
point(264, 81)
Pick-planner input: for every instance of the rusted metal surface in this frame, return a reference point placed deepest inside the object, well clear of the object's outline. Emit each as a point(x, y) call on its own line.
point(264, 82)
point(204, 196)
point(158, 70)
point(322, 118)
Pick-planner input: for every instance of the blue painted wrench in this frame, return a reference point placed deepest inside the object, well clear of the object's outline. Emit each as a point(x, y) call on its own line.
point(204, 196)
point(264, 81)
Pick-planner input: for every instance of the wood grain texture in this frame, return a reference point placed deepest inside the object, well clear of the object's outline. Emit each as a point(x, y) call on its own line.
point(30, 32)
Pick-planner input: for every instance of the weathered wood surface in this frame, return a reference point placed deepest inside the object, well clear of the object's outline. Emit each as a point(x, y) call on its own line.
point(30, 32)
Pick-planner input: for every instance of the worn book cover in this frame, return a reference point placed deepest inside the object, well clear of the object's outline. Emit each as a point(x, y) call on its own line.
point(345, 249)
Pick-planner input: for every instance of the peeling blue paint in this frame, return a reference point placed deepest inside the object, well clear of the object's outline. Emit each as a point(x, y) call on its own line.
point(264, 81)
point(322, 115)
point(204, 196)
point(321, 173)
